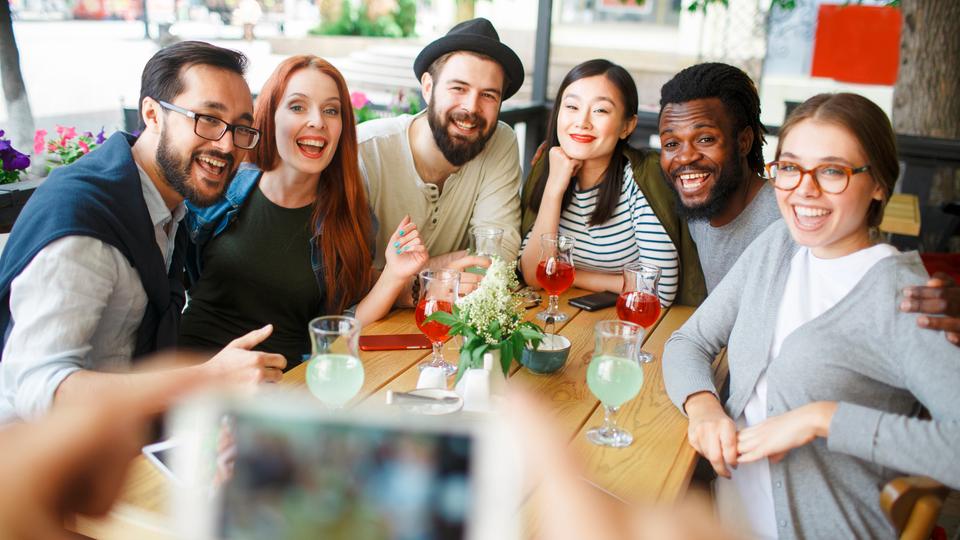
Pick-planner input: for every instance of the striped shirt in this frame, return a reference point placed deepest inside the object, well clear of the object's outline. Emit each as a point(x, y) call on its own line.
point(633, 233)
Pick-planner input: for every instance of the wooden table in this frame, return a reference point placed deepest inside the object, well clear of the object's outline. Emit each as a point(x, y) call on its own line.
point(657, 467)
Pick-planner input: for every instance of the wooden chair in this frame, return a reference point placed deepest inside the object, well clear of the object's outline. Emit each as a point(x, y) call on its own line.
point(912, 504)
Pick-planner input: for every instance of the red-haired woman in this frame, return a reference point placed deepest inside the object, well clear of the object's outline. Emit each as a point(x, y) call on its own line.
point(292, 238)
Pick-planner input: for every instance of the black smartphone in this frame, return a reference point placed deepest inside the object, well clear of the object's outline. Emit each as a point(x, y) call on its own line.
point(595, 301)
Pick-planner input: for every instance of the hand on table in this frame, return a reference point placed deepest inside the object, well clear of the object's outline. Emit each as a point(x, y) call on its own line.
point(776, 436)
point(711, 432)
point(405, 253)
point(940, 296)
point(237, 363)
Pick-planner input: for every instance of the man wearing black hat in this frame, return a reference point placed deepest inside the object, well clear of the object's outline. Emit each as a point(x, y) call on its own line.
point(454, 166)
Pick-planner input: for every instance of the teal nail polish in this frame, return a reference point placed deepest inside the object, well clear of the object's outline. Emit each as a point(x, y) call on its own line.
point(396, 244)
point(399, 251)
point(401, 232)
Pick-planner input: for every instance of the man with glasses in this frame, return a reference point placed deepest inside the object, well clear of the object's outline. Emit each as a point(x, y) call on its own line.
point(92, 274)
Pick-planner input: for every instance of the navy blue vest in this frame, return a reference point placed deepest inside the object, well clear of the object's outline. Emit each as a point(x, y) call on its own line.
point(100, 196)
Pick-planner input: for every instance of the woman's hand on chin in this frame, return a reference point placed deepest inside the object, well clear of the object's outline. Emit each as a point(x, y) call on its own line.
point(562, 169)
point(776, 436)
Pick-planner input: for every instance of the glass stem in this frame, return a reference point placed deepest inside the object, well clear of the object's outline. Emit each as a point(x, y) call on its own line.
point(608, 423)
point(553, 303)
point(437, 352)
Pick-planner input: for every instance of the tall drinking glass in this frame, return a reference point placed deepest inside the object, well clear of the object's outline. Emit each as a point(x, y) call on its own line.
point(615, 375)
point(555, 271)
point(486, 243)
point(438, 292)
point(639, 302)
point(334, 371)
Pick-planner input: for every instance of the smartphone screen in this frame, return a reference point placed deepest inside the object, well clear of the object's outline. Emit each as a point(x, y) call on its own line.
point(299, 478)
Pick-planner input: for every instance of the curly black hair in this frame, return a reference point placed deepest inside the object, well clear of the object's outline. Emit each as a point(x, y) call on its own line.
point(733, 88)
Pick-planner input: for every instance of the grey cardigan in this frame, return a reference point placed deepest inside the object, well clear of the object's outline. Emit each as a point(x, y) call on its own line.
point(862, 353)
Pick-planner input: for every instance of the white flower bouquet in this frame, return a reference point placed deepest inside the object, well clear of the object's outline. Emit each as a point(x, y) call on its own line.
point(490, 319)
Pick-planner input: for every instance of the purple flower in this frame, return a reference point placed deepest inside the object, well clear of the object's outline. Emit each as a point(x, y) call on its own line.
point(5, 146)
point(15, 161)
point(88, 134)
point(2, 132)
point(100, 137)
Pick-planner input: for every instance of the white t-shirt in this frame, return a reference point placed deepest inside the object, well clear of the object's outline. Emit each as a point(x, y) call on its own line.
point(814, 286)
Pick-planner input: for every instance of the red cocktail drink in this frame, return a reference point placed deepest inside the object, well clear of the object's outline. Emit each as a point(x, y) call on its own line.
point(639, 308)
point(555, 276)
point(433, 329)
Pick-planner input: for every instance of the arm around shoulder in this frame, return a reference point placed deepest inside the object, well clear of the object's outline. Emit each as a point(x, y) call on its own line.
point(929, 368)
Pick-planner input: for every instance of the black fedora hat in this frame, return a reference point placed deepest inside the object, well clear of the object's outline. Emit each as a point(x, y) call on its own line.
point(476, 35)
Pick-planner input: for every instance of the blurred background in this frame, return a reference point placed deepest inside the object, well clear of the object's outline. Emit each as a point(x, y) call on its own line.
point(76, 64)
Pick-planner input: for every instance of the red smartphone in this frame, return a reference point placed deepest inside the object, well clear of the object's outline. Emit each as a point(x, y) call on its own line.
point(394, 342)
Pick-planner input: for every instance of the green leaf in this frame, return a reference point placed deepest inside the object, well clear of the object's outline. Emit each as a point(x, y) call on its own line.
point(530, 335)
point(477, 354)
point(442, 317)
point(494, 330)
point(506, 356)
point(461, 369)
point(517, 343)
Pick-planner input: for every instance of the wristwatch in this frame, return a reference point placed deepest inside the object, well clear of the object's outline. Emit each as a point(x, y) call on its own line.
point(415, 290)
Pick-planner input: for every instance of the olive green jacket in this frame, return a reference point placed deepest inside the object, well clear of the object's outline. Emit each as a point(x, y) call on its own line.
point(649, 178)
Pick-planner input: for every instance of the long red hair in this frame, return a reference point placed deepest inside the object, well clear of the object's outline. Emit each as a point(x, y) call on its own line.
point(342, 210)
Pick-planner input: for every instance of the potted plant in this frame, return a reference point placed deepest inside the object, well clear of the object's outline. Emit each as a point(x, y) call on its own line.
point(14, 162)
point(67, 146)
point(490, 319)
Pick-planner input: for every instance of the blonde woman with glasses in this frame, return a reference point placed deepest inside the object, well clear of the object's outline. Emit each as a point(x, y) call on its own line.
point(826, 374)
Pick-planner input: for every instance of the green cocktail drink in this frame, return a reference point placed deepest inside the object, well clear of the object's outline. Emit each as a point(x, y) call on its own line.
point(614, 380)
point(334, 378)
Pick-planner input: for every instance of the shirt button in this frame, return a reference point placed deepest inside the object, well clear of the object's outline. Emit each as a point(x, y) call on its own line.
point(783, 523)
point(779, 483)
point(434, 221)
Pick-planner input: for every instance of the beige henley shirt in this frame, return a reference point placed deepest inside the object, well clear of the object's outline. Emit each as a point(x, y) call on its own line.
point(484, 192)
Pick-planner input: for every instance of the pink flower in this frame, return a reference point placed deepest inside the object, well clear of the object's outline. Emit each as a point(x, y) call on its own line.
point(83, 146)
point(69, 133)
point(38, 141)
point(52, 146)
point(358, 100)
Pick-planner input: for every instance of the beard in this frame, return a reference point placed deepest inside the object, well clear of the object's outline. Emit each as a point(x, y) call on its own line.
point(456, 149)
point(177, 172)
point(726, 184)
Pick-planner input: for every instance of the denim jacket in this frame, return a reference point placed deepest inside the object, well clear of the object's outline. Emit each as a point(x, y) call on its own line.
point(204, 224)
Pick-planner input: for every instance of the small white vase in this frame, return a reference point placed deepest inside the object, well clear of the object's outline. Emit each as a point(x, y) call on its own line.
point(478, 386)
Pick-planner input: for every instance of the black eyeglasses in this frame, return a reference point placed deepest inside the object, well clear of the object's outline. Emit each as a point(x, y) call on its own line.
point(830, 177)
point(213, 128)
